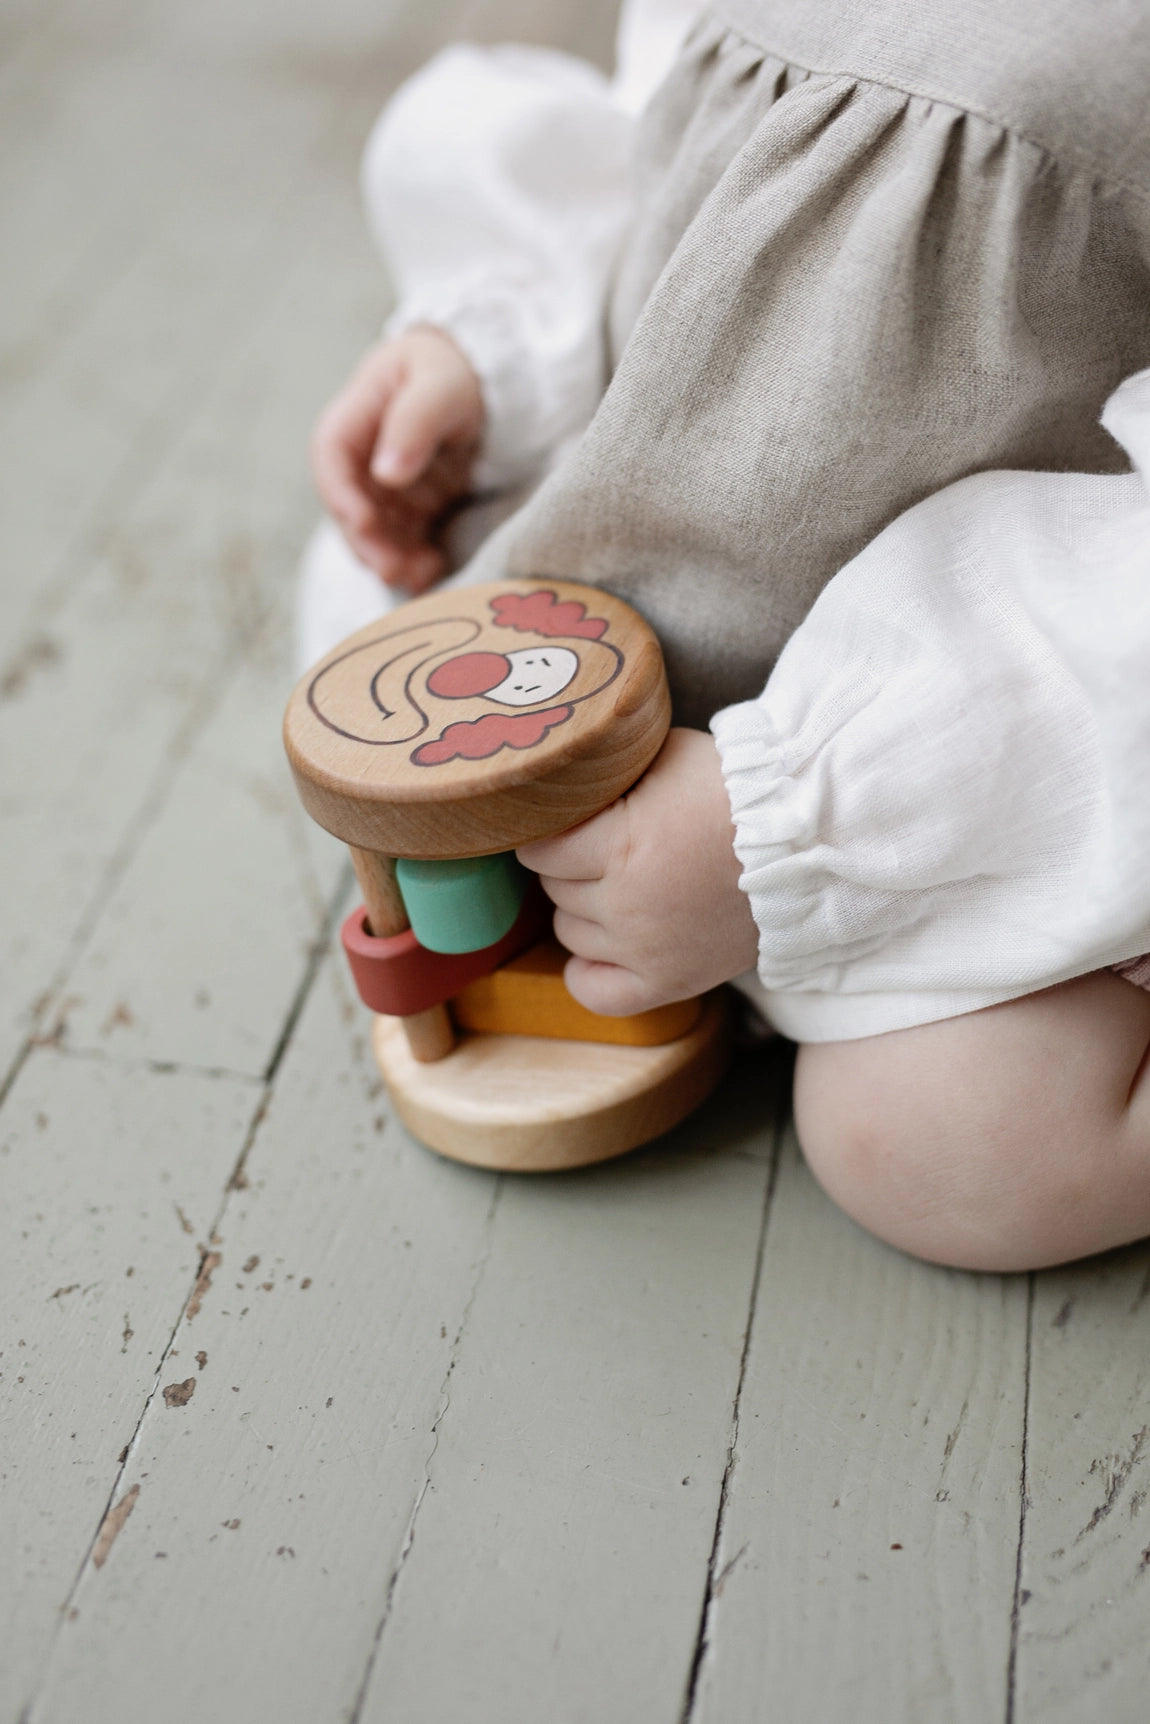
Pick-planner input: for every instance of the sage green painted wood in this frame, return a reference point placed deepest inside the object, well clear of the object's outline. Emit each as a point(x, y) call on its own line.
point(197, 223)
point(111, 1181)
point(105, 705)
point(202, 945)
point(558, 1560)
point(1084, 1604)
point(282, 1492)
point(462, 905)
point(867, 1559)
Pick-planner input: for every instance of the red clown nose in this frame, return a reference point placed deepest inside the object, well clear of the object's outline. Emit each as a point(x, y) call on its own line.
point(470, 673)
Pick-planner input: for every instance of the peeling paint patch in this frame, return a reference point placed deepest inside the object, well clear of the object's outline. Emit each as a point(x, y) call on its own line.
point(179, 1394)
point(211, 1262)
point(1116, 1472)
point(62, 1292)
point(112, 1526)
point(40, 653)
point(120, 1017)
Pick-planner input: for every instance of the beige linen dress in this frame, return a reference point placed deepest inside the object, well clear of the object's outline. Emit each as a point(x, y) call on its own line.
point(878, 245)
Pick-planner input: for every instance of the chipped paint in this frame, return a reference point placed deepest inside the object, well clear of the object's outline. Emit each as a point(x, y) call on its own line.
point(112, 1525)
point(211, 1262)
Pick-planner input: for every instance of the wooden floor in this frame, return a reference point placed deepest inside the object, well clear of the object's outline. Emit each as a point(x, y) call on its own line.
point(299, 1424)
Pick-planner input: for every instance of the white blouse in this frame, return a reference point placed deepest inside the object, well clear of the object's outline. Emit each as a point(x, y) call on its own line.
point(497, 186)
point(940, 796)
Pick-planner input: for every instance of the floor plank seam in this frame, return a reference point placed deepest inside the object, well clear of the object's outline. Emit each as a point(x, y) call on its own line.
point(129, 1063)
point(356, 1711)
point(1023, 1503)
point(201, 710)
point(114, 1501)
point(317, 952)
point(157, 435)
point(235, 1182)
point(715, 1577)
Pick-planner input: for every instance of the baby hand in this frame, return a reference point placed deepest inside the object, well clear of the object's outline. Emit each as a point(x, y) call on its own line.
point(646, 894)
point(394, 450)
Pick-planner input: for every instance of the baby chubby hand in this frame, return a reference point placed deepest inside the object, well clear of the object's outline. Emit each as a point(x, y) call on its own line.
point(393, 452)
point(646, 894)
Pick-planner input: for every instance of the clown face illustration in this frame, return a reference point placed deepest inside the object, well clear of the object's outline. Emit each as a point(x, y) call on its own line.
point(457, 682)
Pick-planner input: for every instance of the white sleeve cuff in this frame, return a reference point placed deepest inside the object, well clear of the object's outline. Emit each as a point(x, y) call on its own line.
point(939, 797)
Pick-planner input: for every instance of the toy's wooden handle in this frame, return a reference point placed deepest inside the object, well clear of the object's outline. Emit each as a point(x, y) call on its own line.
point(430, 1035)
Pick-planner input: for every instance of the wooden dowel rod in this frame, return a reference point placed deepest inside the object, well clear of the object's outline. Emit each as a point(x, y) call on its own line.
point(430, 1034)
point(376, 875)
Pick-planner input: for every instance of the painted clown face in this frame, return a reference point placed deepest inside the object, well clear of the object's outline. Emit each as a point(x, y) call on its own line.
point(456, 686)
point(520, 678)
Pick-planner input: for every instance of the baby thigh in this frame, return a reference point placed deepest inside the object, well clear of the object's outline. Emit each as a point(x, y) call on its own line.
point(1006, 1139)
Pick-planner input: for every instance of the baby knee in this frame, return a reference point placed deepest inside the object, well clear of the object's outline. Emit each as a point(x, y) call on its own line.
point(907, 1166)
point(862, 1155)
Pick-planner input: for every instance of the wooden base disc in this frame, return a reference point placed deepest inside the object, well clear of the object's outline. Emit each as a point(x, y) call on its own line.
point(531, 1104)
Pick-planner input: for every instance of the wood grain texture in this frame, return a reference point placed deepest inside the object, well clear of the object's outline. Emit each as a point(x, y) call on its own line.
point(530, 1104)
point(556, 1564)
point(397, 749)
point(386, 911)
point(429, 1033)
point(866, 1564)
point(203, 943)
point(281, 1492)
point(111, 1179)
point(104, 698)
point(1084, 1600)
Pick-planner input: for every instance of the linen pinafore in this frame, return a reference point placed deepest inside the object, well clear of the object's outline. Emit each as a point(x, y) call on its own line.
point(878, 245)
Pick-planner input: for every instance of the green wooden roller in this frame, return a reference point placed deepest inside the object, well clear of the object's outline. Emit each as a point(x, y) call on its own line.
point(462, 906)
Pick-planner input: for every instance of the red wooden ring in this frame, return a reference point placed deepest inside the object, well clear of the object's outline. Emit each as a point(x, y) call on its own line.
point(398, 976)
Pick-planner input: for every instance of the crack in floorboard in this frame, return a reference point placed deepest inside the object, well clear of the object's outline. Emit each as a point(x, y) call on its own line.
point(201, 709)
point(1023, 1499)
point(356, 1712)
point(234, 1183)
point(716, 1577)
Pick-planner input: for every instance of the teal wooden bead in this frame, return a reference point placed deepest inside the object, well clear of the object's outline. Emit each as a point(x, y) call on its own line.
point(462, 906)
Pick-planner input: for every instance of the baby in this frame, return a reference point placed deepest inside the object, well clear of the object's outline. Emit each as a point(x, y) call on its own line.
point(855, 262)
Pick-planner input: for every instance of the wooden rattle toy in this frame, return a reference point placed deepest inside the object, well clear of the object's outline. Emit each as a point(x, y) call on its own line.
point(433, 742)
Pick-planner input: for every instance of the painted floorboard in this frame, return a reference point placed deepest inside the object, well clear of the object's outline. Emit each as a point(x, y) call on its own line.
point(111, 1179)
point(282, 1490)
point(1084, 1605)
point(102, 708)
point(558, 1560)
point(867, 1561)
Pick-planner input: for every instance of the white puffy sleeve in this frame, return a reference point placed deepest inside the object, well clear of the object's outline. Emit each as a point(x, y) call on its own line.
point(497, 184)
point(940, 798)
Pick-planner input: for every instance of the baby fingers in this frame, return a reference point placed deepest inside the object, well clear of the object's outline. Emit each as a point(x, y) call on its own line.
point(610, 989)
point(586, 852)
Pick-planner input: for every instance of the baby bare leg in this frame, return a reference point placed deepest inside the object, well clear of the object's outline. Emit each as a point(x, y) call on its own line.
point(1007, 1139)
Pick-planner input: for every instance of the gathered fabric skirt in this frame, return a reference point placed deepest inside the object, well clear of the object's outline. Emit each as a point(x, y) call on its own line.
point(876, 248)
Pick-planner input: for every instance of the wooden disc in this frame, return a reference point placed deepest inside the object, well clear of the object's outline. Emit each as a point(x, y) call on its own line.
point(475, 719)
point(525, 1104)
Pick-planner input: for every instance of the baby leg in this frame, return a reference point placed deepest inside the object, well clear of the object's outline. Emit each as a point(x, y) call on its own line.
point(1007, 1139)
